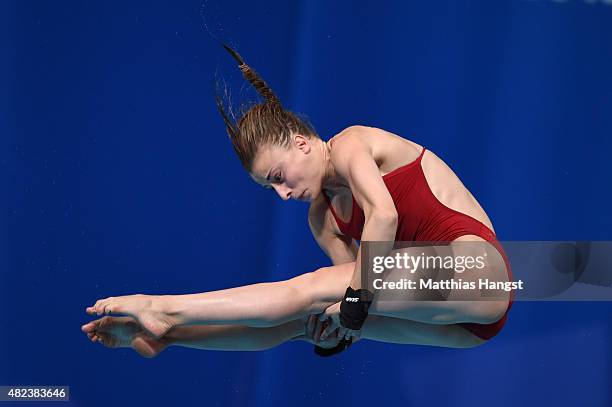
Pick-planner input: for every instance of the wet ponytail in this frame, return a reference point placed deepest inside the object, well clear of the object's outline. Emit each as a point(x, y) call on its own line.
point(250, 75)
point(263, 123)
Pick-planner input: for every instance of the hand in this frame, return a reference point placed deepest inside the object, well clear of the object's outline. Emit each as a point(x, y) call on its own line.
point(332, 317)
point(314, 327)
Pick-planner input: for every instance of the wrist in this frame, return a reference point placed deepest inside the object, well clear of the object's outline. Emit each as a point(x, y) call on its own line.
point(354, 307)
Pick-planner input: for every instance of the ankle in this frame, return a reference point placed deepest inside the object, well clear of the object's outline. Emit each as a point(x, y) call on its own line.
point(165, 305)
point(161, 304)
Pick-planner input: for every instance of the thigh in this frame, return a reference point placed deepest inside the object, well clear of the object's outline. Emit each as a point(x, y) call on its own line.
point(409, 290)
point(407, 332)
point(490, 269)
point(325, 286)
point(404, 331)
point(443, 290)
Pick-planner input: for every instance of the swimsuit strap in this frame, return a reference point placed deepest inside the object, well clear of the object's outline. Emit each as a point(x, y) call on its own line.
point(339, 221)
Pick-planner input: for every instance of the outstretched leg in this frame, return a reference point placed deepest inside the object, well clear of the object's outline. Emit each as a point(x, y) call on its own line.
point(404, 331)
point(257, 305)
point(272, 304)
point(125, 332)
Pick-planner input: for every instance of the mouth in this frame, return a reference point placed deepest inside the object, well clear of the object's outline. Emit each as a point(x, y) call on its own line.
point(302, 196)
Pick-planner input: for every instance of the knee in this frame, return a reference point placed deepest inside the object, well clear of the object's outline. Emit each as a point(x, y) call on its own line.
point(318, 289)
point(311, 281)
point(473, 343)
point(488, 312)
point(302, 285)
point(299, 296)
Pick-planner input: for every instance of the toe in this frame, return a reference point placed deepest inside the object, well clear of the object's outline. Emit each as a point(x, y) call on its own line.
point(99, 306)
point(89, 327)
point(103, 306)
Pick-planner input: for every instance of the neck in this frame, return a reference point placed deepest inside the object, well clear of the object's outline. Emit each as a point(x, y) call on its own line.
point(331, 180)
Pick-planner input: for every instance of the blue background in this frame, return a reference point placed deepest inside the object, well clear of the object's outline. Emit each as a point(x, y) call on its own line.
point(117, 177)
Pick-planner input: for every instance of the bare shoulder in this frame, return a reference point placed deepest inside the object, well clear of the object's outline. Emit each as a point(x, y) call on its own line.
point(386, 148)
point(391, 151)
point(349, 140)
point(355, 135)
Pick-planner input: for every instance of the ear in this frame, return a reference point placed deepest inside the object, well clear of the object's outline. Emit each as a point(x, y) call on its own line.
point(302, 143)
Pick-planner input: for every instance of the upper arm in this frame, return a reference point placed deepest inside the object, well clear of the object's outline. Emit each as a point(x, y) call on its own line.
point(339, 248)
point(353, 158)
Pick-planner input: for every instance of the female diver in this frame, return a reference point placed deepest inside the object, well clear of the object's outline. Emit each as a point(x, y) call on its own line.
point(364, 184)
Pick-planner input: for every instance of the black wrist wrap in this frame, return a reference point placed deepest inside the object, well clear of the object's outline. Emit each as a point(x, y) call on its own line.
point(354, 308)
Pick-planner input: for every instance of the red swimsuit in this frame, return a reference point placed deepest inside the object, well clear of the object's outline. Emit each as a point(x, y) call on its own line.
point(422, 217)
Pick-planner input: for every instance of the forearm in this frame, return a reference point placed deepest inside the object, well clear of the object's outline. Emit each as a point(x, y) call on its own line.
point(380, 229)
point(232, 337)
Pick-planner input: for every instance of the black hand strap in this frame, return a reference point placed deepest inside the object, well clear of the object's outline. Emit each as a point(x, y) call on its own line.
point(354, 308)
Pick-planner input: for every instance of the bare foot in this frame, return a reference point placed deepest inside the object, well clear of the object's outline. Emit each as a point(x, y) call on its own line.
point(142, 307)
point(123, 332)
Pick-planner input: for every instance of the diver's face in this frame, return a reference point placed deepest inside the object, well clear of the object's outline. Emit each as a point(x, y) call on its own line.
point(293, 171)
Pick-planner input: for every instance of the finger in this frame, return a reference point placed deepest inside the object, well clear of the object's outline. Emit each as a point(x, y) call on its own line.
point(347, 334)
point(310, 325)
point(341, 332)
point(320, 325)
point(331, 327)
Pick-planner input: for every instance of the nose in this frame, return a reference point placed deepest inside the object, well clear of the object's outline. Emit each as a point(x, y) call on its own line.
point(283, 192)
